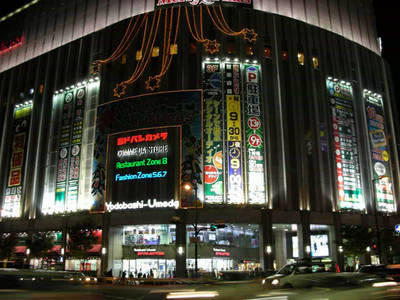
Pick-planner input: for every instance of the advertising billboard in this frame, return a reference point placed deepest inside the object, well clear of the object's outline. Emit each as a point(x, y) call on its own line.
point(345, 143)
point(380, 158)
point(69, 150)
point(234, 134)
point(213, 134)
point(319, 245)
point(14, 189)
point(143, 168)
point(254, 136)
point(136, 113)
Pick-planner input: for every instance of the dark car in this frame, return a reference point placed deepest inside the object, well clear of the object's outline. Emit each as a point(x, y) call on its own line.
point(391, 272)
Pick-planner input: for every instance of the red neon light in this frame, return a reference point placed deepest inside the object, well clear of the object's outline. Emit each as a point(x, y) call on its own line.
point(151, 253)
point(217, 253)
point(142, 138)
point(6, 47)
point(337, 269)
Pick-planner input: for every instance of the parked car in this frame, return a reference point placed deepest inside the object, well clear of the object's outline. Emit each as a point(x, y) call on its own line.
point(298, 275)
point(338, 286)
point(391, 272)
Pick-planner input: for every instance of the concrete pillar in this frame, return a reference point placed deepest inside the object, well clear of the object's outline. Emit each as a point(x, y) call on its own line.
point(180, 258)
point(305, 235)
point(338, 256)
point(266, 240)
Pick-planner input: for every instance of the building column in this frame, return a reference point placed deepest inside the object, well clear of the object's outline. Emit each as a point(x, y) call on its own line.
point(180, 257)
point(104, 244)
point(338, 252)
point(266, 249)
point(305, 235)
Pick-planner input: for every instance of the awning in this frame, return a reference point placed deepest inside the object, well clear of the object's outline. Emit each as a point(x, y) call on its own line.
point(95, 249)
point(56, 248)
point(19, 249)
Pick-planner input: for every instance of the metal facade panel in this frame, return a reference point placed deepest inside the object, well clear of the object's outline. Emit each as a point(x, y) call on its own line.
point(69, 23)
point(125, 9)
point(59, 27)
point(285, 8)
point(312, 12)
point(41, 34)
point(101, 15)
point(50, 30)
point(79, 22)
point(355, 24)
point(113, 12)
point(345, 17)
point(298, 9)
point(90, 17)
point(323, 14)
point(335, 17)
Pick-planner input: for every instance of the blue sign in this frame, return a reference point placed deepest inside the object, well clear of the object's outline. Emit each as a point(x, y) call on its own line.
point(397, 228)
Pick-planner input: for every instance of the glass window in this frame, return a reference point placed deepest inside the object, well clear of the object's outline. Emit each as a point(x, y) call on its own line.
point(160, 234)
point(233, 235)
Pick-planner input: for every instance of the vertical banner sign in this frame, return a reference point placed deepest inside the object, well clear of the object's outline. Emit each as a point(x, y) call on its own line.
point(254, 136)
point(75, 150)
point(234, 134)
point(380, 156)
point(13, 192)
point(213, 118)
point(68, 167)
point(346, 146)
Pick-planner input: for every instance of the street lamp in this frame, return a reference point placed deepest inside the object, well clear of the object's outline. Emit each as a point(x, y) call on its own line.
point(378, 236)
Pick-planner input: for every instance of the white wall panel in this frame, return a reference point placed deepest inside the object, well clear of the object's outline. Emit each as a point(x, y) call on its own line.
point(49, 33)
point(113, 12)
point(69, 23)
point(101, 16)
point(335, 17)
point(125, 9)
point(284, 7)
point(345, 17)
point(355, 24)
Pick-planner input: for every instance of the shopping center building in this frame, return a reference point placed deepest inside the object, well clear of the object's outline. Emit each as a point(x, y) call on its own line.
point(271, 119)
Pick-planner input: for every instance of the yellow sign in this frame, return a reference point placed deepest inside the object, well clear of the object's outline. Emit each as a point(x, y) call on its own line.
point(233, 117)
point(385, 155)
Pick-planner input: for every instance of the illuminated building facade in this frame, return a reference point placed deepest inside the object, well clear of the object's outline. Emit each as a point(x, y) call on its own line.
point(276, 114)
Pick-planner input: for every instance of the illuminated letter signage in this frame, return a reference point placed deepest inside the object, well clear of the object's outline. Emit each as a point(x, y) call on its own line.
point(165, 3)
point(143, 169)
point(6, 47)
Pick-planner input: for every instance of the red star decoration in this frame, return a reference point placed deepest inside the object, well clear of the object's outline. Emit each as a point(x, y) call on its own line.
point(249, 35)
point(95, 68)
point(119, 89)
point(153, 83)
point(211, 46)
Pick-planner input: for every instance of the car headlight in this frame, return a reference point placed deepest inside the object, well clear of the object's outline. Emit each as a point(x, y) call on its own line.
point(87, 279)
point(384, 284)
point(263, 281)
point(275, 282)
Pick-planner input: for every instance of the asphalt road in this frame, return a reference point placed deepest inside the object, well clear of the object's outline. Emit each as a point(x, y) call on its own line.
point(222, 291)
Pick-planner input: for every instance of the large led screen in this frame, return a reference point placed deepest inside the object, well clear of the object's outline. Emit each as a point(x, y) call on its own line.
point(143, 168)
point(319, 245)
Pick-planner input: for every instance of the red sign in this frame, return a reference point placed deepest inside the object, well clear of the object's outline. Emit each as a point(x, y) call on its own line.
point(150, 253)
point(218, 253)
point(210, 174)
point(254, 123)
point(254, 140)
point(142, 138)
point(15, 177)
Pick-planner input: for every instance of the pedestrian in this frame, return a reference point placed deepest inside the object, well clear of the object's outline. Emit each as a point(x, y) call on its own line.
point(151, 273)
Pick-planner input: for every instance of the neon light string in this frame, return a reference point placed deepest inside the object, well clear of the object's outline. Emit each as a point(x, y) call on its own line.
point(197, 38)
point(175, 39)
point(146, 57)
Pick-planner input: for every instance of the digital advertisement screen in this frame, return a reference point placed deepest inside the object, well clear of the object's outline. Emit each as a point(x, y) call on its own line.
point(143, 169)
point(319, 245)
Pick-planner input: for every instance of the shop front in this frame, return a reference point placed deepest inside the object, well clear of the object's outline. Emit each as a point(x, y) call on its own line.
point(235, 247)
point(142, 251)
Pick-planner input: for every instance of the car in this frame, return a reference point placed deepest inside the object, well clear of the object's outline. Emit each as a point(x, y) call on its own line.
point(391, 272)
point(339, 286)
point(298, 275)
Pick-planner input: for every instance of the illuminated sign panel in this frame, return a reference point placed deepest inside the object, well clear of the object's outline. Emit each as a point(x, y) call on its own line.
point(13, 193)
point(379, 152)
point(143, 169)
point(345, 145)
point(69, 150)
point(213, 134)
point(9, 46)
point(234, 134)
point(254, 136)
point(126, 118)
point(166, 3)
